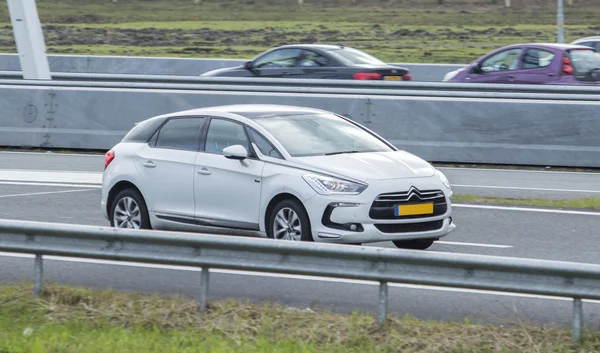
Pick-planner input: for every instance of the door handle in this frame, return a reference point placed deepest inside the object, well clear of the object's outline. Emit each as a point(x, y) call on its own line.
point(149, 164)
point(204, 171)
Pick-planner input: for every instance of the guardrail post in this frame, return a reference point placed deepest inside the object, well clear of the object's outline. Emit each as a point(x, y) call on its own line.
point(383, 301)
point(577, 319)
point(38, 277)
point(204, 278)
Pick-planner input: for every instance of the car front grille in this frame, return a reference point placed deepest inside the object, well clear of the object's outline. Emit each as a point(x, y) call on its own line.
point(384, 205)
point(410, 227)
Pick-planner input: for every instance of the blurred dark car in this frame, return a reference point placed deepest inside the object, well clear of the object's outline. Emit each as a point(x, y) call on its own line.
point(315, 61)
point(545, 63)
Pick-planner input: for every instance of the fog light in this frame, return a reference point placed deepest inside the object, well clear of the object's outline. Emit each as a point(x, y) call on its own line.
point(353, 227)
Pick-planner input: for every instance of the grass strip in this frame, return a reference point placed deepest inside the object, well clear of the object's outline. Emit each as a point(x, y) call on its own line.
point(67, 319)
point(395, 31)
point(591, 203)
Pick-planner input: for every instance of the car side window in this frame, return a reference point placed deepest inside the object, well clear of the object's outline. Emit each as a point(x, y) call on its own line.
point(263, 144)
point(537, 58)
point(278, 58)
point(224, 133)
point(180, 134)
point(309, 58)
point(506, 60)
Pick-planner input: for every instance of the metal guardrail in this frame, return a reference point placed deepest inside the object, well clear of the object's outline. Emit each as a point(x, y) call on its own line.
point(549, 278)
point(309, 86)
point(297, 82)
point(497, 128)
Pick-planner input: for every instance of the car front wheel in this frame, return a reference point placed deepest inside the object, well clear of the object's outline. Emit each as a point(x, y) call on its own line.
point(417, 244)
point(289, 221)
point(129, 210)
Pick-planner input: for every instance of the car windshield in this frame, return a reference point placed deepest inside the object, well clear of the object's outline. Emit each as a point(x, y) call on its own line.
point(585, 60)
point(318, 134)
point(356, 57)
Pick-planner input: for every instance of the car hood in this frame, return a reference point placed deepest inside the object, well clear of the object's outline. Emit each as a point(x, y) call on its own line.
point(372, 165)
point(216, 72)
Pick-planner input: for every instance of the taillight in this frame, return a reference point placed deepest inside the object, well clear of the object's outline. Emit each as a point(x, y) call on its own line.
point(567, 69)
point(108, 157)
point(407, 76)
point(367, 76)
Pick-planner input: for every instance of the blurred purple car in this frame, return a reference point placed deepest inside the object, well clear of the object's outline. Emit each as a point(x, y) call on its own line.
point(549, 64)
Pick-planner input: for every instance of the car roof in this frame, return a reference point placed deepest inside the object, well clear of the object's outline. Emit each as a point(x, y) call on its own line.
point(325, 47)
point(250, 111)
point(586, 39)
point(560, 46)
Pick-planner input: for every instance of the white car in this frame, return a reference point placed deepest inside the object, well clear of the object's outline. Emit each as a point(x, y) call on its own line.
point(293, 173)
point(592, 42)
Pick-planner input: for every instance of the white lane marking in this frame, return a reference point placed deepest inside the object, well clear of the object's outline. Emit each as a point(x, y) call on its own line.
point(95, 186)
point(524, 209)
point(474, 244)
point(53, 154)
point(285, 276)
point(518, 171)
point(524, 188)
point(41, 193)
point(54, 176)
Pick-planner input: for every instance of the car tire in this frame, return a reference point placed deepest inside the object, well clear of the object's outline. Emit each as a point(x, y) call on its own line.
point(416, 244)
point(131, 204)
point(282, 225)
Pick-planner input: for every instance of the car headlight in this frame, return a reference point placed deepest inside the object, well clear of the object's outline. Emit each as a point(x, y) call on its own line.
point(443, 179)
point(329, 186)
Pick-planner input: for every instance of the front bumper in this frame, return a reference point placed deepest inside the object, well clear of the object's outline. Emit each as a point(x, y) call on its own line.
point(347, 218)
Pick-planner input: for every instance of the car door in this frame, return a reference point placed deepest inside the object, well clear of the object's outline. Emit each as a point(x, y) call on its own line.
point(538, 66)
point(166, 166)
point(312, 65)
point(227, 191)
point(278, 63)
point(499, 67)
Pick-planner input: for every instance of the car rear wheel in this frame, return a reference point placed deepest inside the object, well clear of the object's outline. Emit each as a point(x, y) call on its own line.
point(129, 210)
point(289, 221)
point(416, 244)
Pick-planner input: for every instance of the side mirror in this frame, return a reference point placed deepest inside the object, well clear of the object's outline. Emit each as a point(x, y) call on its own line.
point(238, 152)
point(476, 68)
point(248, 65)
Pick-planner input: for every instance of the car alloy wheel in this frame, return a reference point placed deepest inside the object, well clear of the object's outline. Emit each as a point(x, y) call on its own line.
point(129, 211)
point(288, 220)
point(127, 214)
point(287, 225)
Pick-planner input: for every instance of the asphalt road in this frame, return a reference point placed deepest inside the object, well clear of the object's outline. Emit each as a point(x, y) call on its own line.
point(505, 231)
point(481, 182)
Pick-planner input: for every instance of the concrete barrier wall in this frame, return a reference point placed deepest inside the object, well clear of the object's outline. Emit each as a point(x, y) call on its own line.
point(437, 129)
point(175, 66)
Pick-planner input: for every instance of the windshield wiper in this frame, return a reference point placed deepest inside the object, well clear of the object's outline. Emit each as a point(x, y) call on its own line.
point(341, 152)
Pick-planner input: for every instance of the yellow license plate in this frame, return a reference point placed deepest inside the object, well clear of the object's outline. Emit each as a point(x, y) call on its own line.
point(411, 210)
point(393, 78)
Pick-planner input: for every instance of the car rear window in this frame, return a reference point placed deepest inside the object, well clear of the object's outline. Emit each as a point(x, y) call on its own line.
point(352, 56)
point(143, 131)
point(584, 60)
